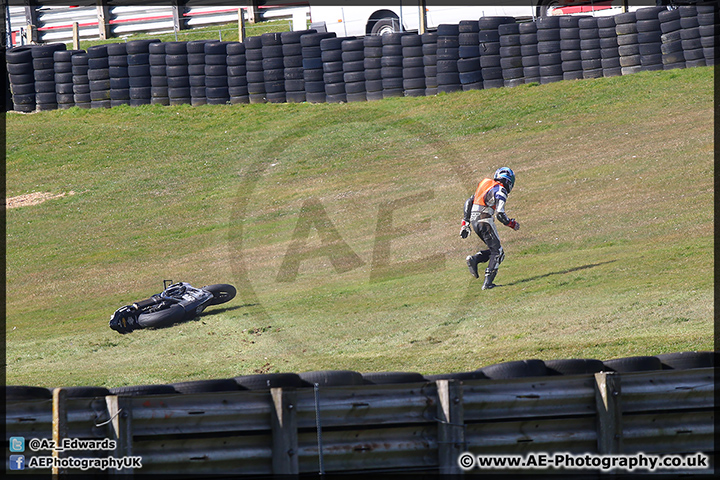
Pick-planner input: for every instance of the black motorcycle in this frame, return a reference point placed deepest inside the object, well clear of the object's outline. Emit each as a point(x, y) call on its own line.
point(178, 302)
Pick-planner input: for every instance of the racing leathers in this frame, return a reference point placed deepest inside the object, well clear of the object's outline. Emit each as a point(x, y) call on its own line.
point(479, 212)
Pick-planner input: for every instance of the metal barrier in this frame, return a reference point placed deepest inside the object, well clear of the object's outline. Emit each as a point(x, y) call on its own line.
point(418, 426)
point(50, 24)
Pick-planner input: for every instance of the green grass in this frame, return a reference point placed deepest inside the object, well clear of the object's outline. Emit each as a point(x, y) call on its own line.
point(227, 33)
point(339, 226)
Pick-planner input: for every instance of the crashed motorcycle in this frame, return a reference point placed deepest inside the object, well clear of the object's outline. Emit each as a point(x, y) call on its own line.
point(178, 302)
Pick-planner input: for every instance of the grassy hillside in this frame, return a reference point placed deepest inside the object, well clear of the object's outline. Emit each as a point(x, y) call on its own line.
point(339, 226)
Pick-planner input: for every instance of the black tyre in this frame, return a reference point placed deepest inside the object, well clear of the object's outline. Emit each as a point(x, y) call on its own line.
point(573, 366)
point(633, 364)
point(391, 378)
point(269, 380)
point(331, 378)
point(86, 392)
point(163, 318)
point(136, 390)
point(685, 360)
point(205, 386)
point(22, 54)
point(22, 392)
point(516, 369)
point(475, 375)
point(222, 293)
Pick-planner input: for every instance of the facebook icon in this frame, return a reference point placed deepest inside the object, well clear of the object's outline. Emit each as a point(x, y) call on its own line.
point(17, 462)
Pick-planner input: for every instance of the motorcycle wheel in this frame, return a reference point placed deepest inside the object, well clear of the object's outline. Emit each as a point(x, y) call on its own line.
point(163, 318)
point(221, 292)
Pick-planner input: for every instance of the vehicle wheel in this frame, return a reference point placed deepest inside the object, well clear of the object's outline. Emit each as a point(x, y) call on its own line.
point(222, 293)
point(545, 7)
point(384, 26)
point(162, 318)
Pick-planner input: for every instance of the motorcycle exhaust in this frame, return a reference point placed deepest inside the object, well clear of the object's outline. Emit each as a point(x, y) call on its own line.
point(147, 303)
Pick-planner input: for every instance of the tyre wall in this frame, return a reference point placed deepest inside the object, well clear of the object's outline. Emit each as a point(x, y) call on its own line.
point(320, 67)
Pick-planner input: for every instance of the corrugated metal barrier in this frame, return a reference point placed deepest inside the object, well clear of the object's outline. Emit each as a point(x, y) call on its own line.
point(420, 426)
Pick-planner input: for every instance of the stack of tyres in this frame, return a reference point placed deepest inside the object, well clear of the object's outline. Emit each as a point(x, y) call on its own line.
point(511, 55)
point(609, 53)
point(468, 63)
point(708, 24)
point(590, 51)
point(489, 38)
point(62, 60)
point(372, 50)
point(353, 58)
point(81, 82)
point(549, 54)
point(99, 76)
point(570, 47)
point(293, 65)
point(237, 74)
point(671, 48)
point(158, 74)
point(628, 47)
point(313, 66)
point(429, 49)
point(196, 71)
point(44, 75)
point(649, 42)
point(448, 54)
point(178, 79)
point(22, 82)
point(333, 76)
point(138, 52)
point(391, 65)
point(690, 37)
point(529, 51)
point(273, 67)
point(216, 77)
point(119, 77)
point(413, 66)
point(255, 73)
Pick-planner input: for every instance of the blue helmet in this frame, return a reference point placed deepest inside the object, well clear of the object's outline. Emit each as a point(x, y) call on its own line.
point(505, 176)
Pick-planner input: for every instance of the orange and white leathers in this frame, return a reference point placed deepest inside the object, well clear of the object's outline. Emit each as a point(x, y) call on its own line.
point(487, 202)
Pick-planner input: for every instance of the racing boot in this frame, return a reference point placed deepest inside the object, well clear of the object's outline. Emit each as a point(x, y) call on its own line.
point(472, 264)
point(473, 261)
point(489, 277)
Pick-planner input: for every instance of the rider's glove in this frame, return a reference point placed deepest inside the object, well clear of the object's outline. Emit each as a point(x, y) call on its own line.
point(513, 224)
point(464, 229)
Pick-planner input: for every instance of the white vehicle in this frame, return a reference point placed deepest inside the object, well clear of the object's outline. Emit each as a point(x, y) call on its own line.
point(351, 20)
point(346, 19)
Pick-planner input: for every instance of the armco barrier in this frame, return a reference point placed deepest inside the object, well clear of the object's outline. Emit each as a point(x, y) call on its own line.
point(681, 38)
point(422, 426)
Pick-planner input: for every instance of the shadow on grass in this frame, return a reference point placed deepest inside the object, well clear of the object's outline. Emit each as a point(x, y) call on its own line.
point(562, 272)
point(214, 310)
